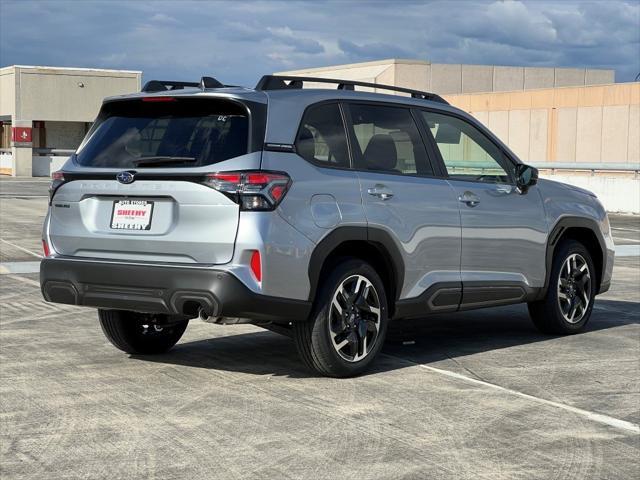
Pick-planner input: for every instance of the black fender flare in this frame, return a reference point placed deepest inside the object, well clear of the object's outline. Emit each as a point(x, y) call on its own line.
point(560, 227)
point(378, 237)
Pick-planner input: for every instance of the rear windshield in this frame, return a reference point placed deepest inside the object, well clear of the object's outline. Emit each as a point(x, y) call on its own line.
point(174, 133)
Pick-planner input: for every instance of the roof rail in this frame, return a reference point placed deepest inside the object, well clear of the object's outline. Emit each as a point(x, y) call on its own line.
point(279, 82)
point(164, 85)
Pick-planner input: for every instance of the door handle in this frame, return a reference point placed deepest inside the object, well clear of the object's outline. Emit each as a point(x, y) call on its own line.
point(470, 199)
point(380, 191)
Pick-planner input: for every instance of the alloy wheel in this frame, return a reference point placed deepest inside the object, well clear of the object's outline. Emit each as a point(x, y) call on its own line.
point(354, 318)
point(574, 288)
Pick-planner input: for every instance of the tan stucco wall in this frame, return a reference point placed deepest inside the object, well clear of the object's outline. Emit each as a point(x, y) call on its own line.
point(573, 124)
point(44, 93)
point(7, 92)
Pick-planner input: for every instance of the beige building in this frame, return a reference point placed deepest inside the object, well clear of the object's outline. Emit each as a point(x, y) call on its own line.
point(46, 111)
point(444, 78)
point(576, 125)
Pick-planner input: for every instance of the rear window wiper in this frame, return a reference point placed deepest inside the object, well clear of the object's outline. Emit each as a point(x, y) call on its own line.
point(161, 160)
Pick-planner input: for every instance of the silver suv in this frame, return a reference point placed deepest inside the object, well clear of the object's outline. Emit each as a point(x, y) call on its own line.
point(321, 213)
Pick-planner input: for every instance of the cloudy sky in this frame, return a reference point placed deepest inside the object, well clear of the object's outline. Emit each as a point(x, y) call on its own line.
point(238, 41)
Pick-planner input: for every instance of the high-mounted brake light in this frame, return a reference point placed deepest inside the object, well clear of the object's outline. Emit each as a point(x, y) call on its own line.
point(158, 99)
point(253, 190)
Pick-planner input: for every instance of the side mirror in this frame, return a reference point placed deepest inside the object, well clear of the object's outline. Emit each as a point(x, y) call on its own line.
point(526, 176)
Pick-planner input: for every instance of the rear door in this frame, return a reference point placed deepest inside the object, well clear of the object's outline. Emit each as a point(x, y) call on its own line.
point(503, 230)
point(137, 188)
point(402, 196)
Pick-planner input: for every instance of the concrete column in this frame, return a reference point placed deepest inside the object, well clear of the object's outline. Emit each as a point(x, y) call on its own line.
point(22, 161)
point(22, 153)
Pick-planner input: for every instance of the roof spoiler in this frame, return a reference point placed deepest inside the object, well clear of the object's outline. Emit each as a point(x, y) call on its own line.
point(284, 82)
point(170, 85)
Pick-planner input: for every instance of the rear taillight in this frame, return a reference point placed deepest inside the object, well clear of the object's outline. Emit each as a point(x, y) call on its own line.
point(252, 190)
point(57, 179)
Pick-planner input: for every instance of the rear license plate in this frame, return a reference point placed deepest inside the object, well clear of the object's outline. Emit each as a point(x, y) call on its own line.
point(131, 215)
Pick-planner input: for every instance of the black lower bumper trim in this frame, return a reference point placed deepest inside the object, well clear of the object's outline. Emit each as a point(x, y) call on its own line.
point(161, 289)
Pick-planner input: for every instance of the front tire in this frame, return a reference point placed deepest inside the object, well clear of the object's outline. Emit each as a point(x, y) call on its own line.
point(349, 323)
point(567, 306)
point(140, 333)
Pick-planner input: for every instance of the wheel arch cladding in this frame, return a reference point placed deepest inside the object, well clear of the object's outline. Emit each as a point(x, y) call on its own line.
point(583, 230)
point(373, 245)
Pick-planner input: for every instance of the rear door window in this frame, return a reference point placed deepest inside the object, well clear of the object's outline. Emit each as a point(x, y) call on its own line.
point(388, 140)
point(172, 133)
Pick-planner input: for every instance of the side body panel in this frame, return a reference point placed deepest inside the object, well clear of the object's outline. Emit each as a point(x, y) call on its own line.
point(565, 203)
point(504, 236)
point(320, 199)
point(423, 219)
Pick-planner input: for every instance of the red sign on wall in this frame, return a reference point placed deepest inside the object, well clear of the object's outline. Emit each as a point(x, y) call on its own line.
point(21, 134)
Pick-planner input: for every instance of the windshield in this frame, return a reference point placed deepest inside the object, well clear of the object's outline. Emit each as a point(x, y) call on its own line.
point(171, 133)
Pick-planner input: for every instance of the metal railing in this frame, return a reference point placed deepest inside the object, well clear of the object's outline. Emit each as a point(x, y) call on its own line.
point(56, 152)
point(577, 166)
point(593, 167)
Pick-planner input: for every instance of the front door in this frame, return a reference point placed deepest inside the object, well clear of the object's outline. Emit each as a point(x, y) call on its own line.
point(503, 230)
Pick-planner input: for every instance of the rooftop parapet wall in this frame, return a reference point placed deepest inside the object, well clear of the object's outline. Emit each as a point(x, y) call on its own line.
point(459, 78)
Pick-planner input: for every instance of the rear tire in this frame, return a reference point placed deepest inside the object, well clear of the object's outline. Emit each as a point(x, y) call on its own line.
point(572, 288)
point(140, 333)
point(348, 325)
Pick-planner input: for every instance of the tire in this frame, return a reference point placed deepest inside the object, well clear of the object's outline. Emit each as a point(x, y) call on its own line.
point(563, 311)
point(358, 317)
point(139, 333)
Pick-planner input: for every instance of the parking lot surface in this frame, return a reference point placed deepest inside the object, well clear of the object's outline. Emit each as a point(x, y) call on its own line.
point(469, 395)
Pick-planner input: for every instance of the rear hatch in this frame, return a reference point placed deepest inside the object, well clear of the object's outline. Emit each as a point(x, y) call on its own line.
point(136, 189)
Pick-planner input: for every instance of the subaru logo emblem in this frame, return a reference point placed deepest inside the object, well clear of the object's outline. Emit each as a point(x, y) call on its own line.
point(125, 177)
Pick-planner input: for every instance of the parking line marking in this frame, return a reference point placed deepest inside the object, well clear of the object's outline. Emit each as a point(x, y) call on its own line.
point(21, 248)
point(626, 239)
point(22, 195)
point(628, 250)
point(596, 417)
point(19, 267)
point(29, 281)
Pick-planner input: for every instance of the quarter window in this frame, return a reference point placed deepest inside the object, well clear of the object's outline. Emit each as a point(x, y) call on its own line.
point(467, 153)
point(322, 137)
point(388, 140)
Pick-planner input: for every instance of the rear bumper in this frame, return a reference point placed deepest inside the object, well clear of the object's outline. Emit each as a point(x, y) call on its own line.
point(161, 289)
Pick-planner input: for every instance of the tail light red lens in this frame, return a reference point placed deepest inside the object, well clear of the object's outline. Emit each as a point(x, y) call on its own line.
point(252, 190)
point(158, 99)
point(256, 265)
